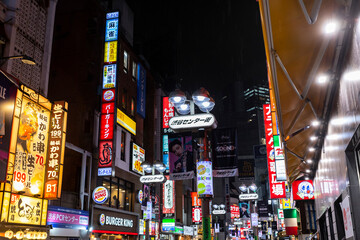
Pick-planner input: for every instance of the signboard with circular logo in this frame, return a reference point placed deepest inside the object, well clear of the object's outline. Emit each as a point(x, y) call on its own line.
point(100, 195)
point(140, 196)
point(109, 95)
point(102, 219)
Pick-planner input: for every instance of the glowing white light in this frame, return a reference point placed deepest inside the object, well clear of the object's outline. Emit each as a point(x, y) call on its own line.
point(206, 104)
point(18, 186)
point(306, 178)
point(184, 106)
point(308, 170)
point(34, 189)
point(313, 138)
point(315, 123)
point(200, 98)
point(311, 149)
point(322, 79)
point(177, 99)
point(340, 121)
point(331, 27)
point(353, 75)
point(309, 161)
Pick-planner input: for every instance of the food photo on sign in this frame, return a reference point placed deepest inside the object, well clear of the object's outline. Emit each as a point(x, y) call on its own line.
point(180, 155)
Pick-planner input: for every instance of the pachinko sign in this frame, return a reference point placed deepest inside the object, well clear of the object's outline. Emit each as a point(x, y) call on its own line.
point(277, 189)
point(303, 190)
point(108, 103)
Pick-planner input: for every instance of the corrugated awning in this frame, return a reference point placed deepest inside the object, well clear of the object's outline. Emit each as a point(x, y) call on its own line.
point(298, 51)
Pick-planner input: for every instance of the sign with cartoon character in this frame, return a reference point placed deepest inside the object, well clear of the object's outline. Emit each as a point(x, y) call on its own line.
point(303, 190)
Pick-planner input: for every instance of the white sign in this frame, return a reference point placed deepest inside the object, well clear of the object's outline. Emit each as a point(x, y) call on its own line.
point(204, 120)
point(280, 170)
point(254, 219)
point(219, 211)
point(138, 157)
point(148, 211)
point(153, 179)
point(225, 173)
point(204, 178)
point(182, 176)
point(345, 207)
point(249, 196)
point(217, 227)
point(105, 171)
point(189, 231)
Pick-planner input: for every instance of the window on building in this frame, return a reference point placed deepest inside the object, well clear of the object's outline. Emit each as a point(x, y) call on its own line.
point(126, 61)
point(121, 193)
point(132, 107)
point(123, 99)
point(134, 71)
point(123, 146)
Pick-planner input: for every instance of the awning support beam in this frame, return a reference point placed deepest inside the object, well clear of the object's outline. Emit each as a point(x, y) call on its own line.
point(311, 19)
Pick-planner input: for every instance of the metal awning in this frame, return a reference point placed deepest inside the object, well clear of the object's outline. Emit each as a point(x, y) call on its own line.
point(298, 51)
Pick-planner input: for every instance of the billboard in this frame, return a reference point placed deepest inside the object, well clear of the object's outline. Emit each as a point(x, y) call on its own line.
point(196, 208)
point(234, 211)
point(7, 105)
point(303, 190)
point(277, 189)
point(141, 91)
point(204, 178)
point(60, 217)
point(126, 122)
point(168, 112)
point(165, 150)
point(224, 148)
point(138, 157)
point(181, 163)
point(111, 30)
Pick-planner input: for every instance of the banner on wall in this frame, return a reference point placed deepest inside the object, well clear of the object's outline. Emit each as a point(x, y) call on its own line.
point(169, 197)
point(181, 163)
point(346, 211)
point(138, 157)
point(204, 178)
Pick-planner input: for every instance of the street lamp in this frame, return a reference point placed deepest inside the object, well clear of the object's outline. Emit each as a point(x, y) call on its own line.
point(150, 168)
point(24, 58)
point(200, 97)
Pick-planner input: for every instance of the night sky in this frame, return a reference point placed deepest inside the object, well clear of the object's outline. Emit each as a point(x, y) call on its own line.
point(204, 43)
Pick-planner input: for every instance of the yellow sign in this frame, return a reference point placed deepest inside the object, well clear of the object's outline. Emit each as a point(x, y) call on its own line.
point(286, 203)
point(25, 210)
point(110, 52)
point(27, 174)
point(126, 122)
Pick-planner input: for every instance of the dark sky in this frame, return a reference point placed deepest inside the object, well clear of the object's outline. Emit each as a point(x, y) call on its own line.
point(204, 43)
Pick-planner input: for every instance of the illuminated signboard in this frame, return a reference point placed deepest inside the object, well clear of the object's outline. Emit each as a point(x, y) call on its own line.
point(195, 200)
point(126, 122)
point(168, 196)
point(204, 178)
point(110, 55)
point(109, 76)
point(106, 149)
point(166, 151)
point(27, 210)
point(196, 208)
point(111, 30)
point(138, 157)
point(111, 15)
point(277, 189)
point(234, 211)
point(29, 144)
point(303, 190)
point(60, 217)
point(141, 91)
point(55, 156)
point(168, 225)
point(279, 160)
point(203, 120)
point(168, 112)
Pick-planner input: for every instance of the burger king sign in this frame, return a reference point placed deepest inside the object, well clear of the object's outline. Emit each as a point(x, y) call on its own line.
point(100, 195)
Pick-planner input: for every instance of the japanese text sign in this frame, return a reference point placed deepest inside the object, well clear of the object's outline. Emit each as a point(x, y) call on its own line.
point(168, 111)
point(169, 196)
point(60, 217)
point(277, 189)
point(138, 157)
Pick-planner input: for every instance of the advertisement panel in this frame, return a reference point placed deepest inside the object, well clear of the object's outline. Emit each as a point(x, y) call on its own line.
point(204, 178)
point(60, 217)
point(234, 211)
point(111, 30)
point(168, 112)
point(168, 197)
point(166, 152)
point(7, 105)
point(31, 148)
point(246, 168)
point(168, 225)
point(110, 55)
point(25, 210)
point(303, 190)
point(196, 215)
point(141, 91)
point(195, 200)
point(277, 189)
point(138, 157)
point(109, 76)
point(55, 156)
point(224, 148)
point(126, 122)
point(181, 158)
